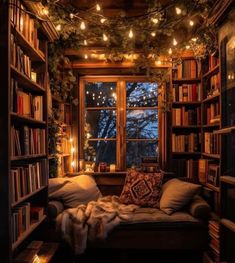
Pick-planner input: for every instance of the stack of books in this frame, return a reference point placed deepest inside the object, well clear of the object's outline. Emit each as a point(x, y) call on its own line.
point(149, 164)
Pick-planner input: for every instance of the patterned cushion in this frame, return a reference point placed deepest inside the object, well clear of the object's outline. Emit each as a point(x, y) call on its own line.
point(142, 189)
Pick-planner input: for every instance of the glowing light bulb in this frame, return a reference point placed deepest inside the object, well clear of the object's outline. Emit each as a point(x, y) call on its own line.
point(158, 62)
point(72, 150)
point(187, 47)
point(98, 8)
point(191, 23)
point(86, 56)
point(155, 20)
point(194, 39)
point(71, 15)
point(83, 26)
point(102, 20)
point(130, 34)
point(178, 10)
point(45, 11)
point(170, 51)
point(87, 92)
point(105, 38)
point(71, 139)
point(175, 42)
point(153, 34)
point(85, 42)
point(73, 163)
point(58, 27)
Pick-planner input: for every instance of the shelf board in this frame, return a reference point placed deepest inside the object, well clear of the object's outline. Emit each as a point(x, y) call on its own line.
point(25, 157)
point(212, 71)
point(212, 187)
point(183, 80)
point(211, 155)
point(25, 119)
point(212, 125)
point(228, 179)
point(211, 98)
point(28, 196)
point(24, 235)
point(190, 103)
point(34, 54)
point(225, 130)
point(228, 223)
point(186, 127)
point(26, 81)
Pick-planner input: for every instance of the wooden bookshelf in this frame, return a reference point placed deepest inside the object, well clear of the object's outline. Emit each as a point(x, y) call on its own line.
point(24, 179)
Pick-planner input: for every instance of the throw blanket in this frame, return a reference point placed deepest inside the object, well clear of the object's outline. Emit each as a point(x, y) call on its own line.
point(93, 221)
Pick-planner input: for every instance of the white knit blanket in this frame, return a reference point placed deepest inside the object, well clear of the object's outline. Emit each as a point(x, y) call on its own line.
point(93, 221)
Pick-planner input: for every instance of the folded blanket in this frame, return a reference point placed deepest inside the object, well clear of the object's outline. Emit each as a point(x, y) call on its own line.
point(93, 221)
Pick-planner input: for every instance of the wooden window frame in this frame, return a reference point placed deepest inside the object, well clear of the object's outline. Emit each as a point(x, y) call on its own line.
point(120, 109)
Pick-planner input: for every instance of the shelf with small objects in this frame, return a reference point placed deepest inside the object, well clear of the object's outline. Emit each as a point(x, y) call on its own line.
point(186, 117)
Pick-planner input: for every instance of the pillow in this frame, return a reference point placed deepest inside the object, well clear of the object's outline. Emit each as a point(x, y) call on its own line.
point(142, 189)
point(176, 194)
point(55, 184)
point(78, 190)
point(199, 208)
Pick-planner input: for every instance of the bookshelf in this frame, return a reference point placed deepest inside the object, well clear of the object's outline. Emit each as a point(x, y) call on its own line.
point(24, 151)
point(186, 117)
point(62, 152)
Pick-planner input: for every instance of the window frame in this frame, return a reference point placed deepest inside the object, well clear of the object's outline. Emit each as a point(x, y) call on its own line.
point(121, 114)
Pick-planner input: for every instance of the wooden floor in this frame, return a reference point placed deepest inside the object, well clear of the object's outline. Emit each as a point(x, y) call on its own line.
point(123, 256)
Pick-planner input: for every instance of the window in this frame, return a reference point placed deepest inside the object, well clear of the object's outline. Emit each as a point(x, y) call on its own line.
point(118, 120)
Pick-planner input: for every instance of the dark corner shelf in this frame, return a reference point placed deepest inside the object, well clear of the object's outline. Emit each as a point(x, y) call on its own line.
point(211, 125)
point(211, 98)
point(211, 155)
point(228, 223)
point(228, 179)
point(26, 157)
point(225, 130)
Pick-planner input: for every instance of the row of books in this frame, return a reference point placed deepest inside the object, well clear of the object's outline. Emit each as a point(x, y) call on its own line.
point(185, 116)
point(19, 59)
point(211, 143)
point(28, 178)
point(22, 217)
point(215, 82)
point(27, 141)
point(213, 113)
point(24, 23)
point(25, 103)
point(186, 92)
point(187, 69)
point(186, 142)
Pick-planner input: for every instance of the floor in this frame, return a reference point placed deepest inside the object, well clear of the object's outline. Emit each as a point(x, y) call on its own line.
point(130, 256)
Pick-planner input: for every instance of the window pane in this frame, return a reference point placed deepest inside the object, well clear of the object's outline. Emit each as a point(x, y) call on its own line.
point(136, 150)
point(103, 151)
point(142, 124)
point(100, 94)
point(141, 94)
point(100, 123)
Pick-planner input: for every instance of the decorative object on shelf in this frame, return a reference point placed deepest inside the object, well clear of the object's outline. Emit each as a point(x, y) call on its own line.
point(112, 168)
point(102, 167)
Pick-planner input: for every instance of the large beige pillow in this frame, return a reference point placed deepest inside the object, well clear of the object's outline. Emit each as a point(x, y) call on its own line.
point(77, 190)
point(176, 194)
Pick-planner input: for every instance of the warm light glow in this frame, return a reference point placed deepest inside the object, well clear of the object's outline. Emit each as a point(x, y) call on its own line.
point(187, 47)
point(191, 23)
point(45, 11)
point(83, 26)
point(131, 34)
point(102, 20)
point(71, 140)
point(73, 163)
point(158, 62)
point(175, 42)
point(155, 20)
point(170, 51)
point(98, 8)
point(178, 10)
point(194, 39)
point(86, 56)
point(85, 42)
point(71, 15)
point(72, 150)
point(105, 38)
point(58, 27)
point(153, 34)
point(88, 135)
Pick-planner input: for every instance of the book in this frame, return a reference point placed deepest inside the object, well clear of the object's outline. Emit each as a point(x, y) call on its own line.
point(36, 212)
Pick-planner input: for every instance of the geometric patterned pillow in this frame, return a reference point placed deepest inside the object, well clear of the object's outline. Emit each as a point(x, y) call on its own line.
point(141, 188)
